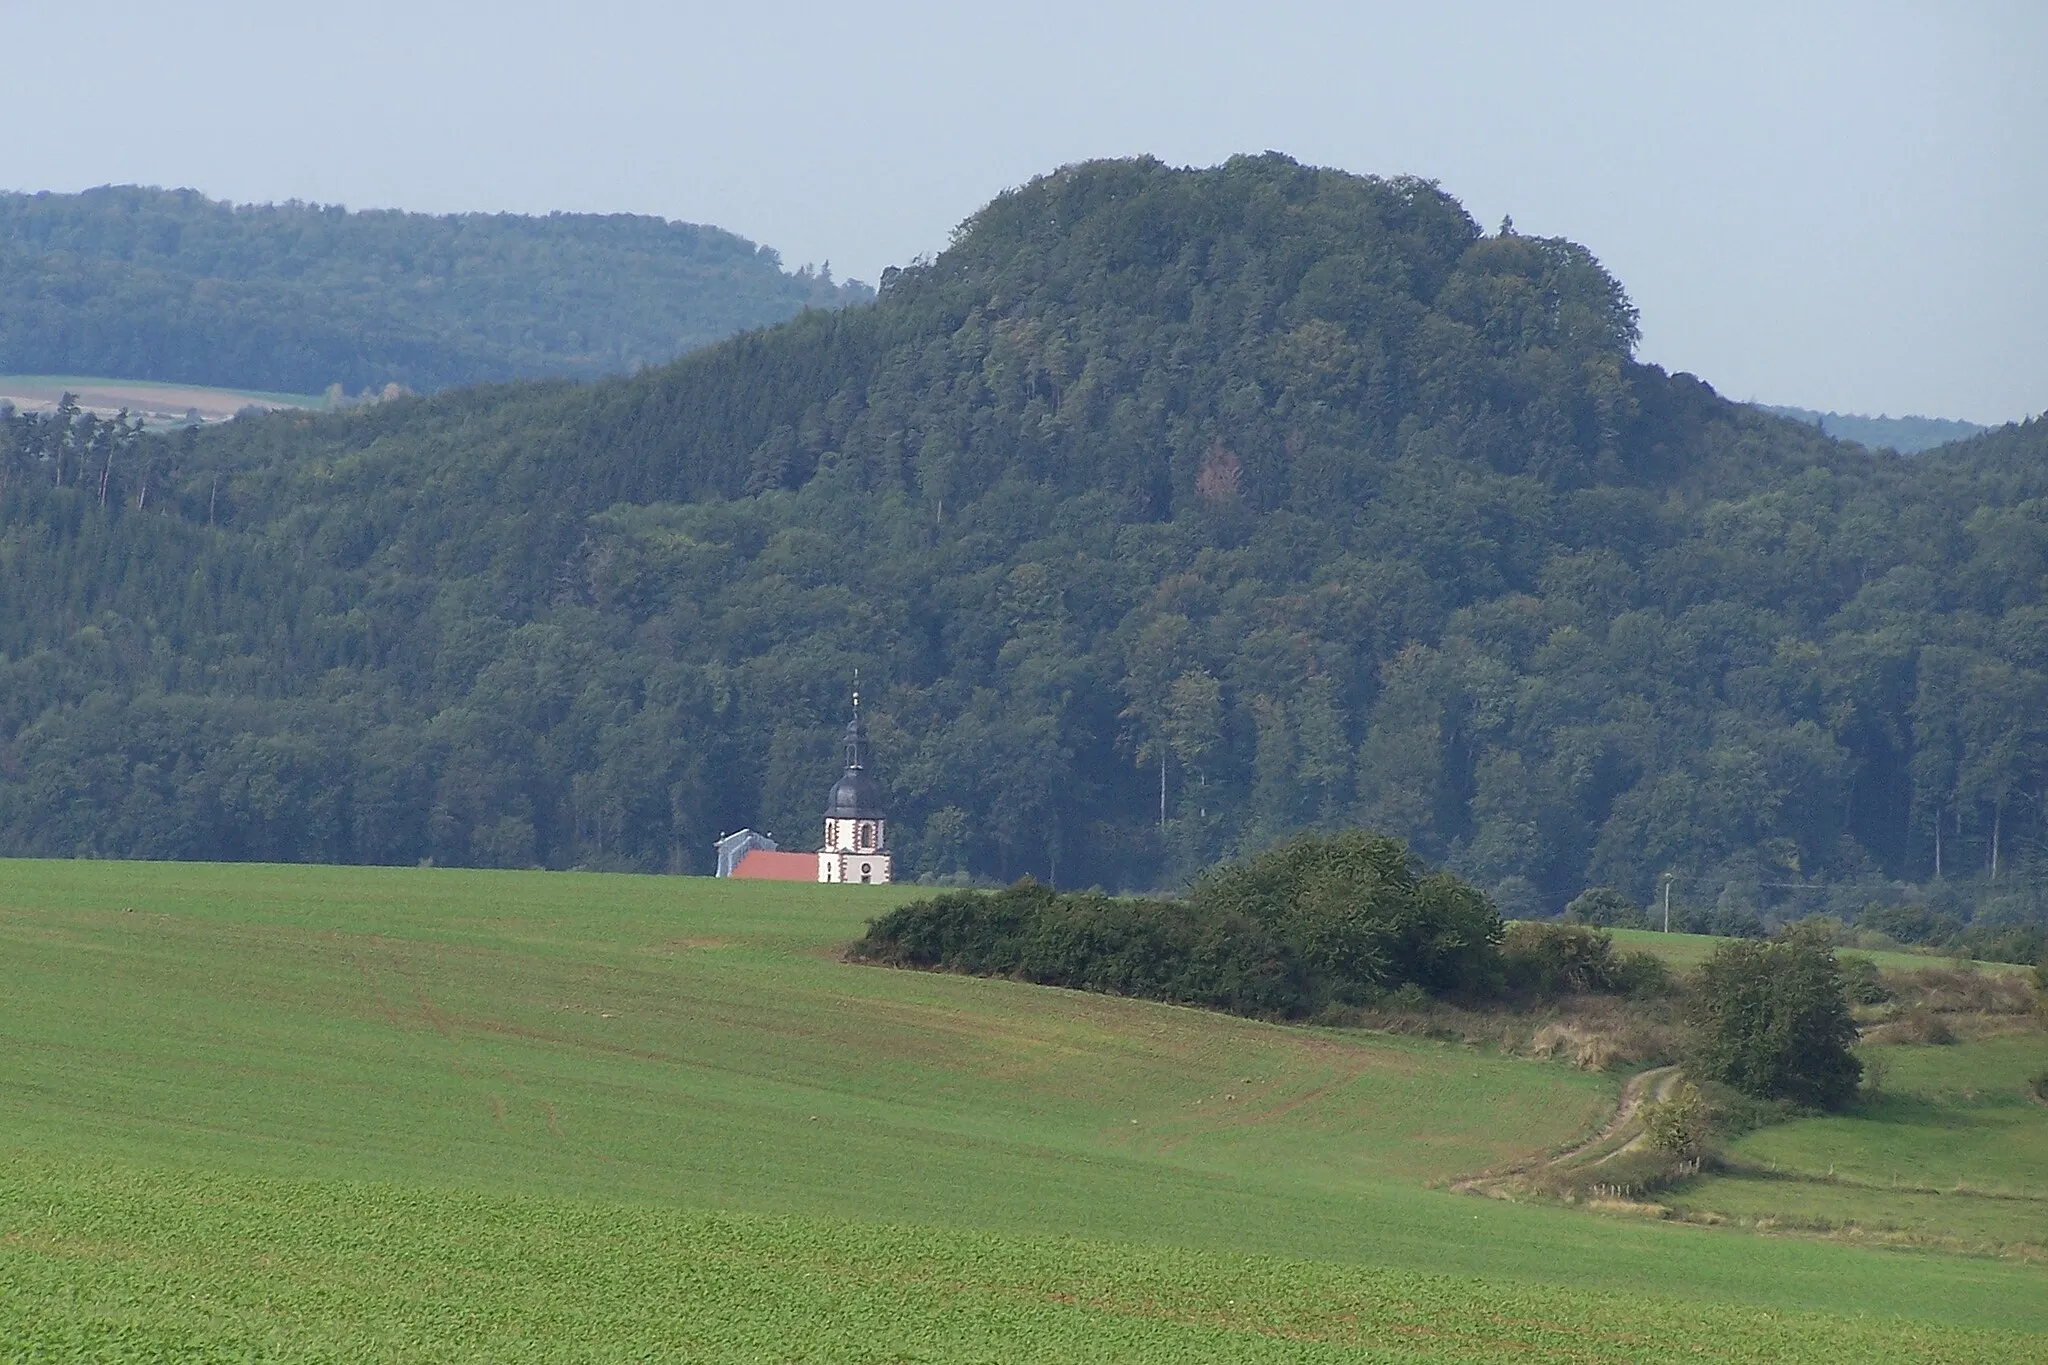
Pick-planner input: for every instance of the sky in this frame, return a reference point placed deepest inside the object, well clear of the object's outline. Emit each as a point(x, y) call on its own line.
point(1837, 206)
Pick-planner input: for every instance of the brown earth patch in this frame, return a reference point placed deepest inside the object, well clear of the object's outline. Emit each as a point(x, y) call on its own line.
point(161, 402)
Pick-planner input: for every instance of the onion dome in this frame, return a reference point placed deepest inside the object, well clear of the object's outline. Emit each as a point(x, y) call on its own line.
point(856, 796)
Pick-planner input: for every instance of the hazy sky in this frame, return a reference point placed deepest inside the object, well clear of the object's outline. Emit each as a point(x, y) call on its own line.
point(1838, 206)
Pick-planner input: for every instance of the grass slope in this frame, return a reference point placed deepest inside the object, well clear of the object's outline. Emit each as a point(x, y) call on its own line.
point(1955, 1152)
point(640, 1046)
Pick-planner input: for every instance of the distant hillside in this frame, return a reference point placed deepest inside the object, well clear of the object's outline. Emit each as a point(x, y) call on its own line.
point(1907, 435)
point(170, 285)
point(1295, 483)
point(151, 403)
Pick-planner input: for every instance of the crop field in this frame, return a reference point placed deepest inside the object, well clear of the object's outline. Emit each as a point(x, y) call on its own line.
point(108, 1263)
point(328, 1113)
point(147, 399)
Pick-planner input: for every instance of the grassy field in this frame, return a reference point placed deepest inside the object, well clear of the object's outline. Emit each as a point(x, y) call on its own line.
point(1955, 1152)
point(1689, 950)
point(266, 1109)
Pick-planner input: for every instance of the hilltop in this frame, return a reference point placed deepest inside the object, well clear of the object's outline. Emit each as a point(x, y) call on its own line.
point(1907, 435)
point(1295, 483)
point(141, 283)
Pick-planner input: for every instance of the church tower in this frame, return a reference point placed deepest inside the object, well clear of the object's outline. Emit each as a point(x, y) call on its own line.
point(856, 836)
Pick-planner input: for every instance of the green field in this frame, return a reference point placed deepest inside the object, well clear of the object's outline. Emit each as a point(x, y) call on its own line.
point(1955, 1152)
point(242, 1268)
point(305, 1113)
point(1689, 950)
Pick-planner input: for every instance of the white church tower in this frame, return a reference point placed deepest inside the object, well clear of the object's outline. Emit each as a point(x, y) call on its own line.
point(856, 837)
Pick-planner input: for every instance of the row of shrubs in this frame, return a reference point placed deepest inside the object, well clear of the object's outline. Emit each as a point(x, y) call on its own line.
point(1320, 922)
point(1328, 924)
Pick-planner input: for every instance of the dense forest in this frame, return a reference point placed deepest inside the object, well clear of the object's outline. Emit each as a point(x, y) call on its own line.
point(1165, 514)
point(137, 283)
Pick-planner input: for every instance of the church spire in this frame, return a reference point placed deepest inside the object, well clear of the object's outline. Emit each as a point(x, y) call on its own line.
point(856, 835)
point(856, 733)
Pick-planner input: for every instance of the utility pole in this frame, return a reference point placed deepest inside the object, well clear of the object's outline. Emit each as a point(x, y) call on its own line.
point(1668, 879)
point(1162, 791)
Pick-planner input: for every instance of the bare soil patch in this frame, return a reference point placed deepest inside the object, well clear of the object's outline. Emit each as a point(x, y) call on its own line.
point(154, 403)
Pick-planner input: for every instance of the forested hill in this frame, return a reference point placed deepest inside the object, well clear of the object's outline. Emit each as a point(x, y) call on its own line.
point(1907, 435)
point(1295, 484)
point(137, 283)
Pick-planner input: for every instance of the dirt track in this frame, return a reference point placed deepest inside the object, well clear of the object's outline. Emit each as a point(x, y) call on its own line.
point(1657, 1083)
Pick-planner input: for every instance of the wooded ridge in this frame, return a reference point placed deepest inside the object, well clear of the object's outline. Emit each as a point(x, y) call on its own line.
point(1295, 483)
point(136, 283)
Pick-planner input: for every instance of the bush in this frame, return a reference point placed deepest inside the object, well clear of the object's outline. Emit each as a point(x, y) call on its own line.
point(1605, 908)
point(1904, 923)
point(1362, 915)
point(1642, 975)
point(1159, 950)
point(1772, 1020)
point(1863, 984)
point(1553, 959)
point(2020, 943)
point(1679, 1126)
point(1730, 1113)
point(1725, 922)
point(1920, 1025)
point(1340, 920)
point(1546, 960)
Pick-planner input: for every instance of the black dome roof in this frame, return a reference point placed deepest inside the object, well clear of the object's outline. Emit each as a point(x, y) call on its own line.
point(856, 797)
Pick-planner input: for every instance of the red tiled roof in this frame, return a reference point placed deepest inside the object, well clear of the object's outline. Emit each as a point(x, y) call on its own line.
point(778, 867)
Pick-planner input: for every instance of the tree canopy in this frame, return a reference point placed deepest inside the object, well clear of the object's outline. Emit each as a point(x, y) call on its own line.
point(138, 283)
point(1289, 494)
point(1772, 1020)
point(1319, 921)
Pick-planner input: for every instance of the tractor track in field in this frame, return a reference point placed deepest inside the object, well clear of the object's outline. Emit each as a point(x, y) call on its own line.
point(1657, 1083)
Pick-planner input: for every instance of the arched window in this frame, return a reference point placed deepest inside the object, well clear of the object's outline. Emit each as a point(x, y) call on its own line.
point(867, 837)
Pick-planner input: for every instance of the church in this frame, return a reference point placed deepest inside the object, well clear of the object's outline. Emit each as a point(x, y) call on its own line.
point(856, 847)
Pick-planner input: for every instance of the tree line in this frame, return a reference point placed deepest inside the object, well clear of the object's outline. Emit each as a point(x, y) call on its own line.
point(1307, 929)
point(137, 283)
point(1168, 513)
point(1321, 926)
point(106, 455)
